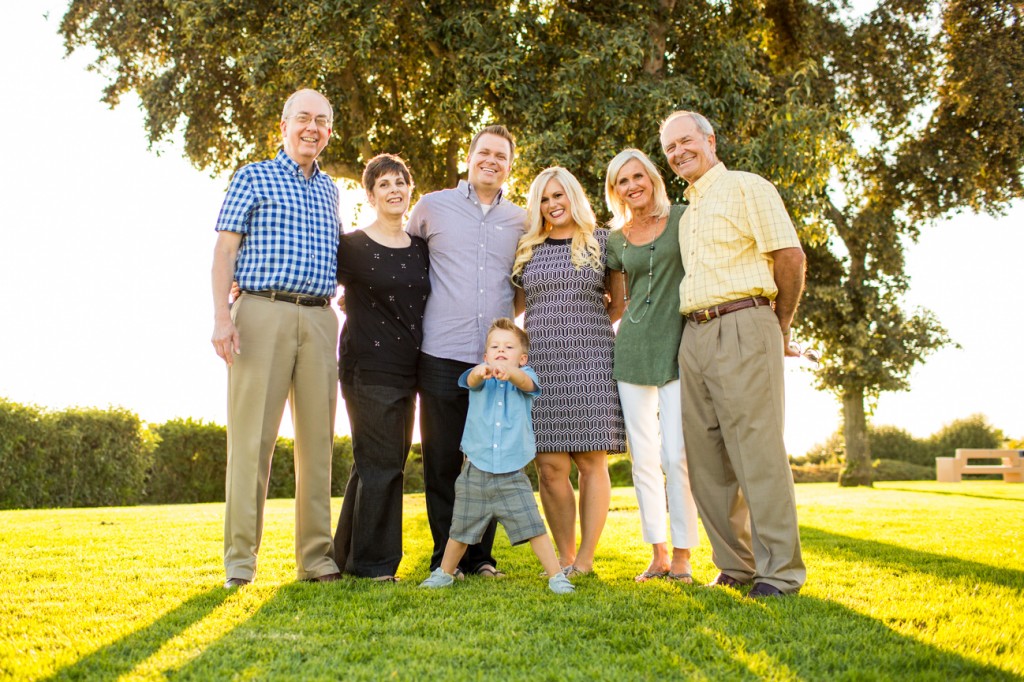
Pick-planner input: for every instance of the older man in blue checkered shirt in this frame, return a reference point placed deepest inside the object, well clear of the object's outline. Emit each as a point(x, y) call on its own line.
point(277, 235)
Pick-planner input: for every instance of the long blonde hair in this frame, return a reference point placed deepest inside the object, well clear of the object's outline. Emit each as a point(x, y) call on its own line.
point(622, 215)
point(586, 250)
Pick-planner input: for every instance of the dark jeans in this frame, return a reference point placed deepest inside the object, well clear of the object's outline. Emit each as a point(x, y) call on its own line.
point(443, 407)
point(368, 541)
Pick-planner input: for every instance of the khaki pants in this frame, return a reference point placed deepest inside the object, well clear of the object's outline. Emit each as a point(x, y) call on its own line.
point(287, 353)
point(733, 418)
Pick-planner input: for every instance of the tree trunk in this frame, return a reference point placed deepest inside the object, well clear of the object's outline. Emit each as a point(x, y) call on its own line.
point(451, 163)
point(855, 431)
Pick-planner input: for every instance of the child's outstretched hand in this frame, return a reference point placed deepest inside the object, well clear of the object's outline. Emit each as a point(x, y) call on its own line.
point(500, 373)
point(480, 373)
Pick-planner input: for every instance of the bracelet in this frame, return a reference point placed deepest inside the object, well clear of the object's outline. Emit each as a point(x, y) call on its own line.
point(785, 332)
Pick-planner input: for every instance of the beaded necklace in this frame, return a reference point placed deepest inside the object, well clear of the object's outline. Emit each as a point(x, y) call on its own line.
point(650, 281)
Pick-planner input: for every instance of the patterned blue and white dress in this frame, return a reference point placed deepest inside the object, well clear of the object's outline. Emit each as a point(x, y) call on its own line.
point(571, 343)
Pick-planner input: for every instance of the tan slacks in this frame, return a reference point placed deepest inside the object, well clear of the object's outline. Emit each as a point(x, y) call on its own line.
point(733, 419)
point(288, 352)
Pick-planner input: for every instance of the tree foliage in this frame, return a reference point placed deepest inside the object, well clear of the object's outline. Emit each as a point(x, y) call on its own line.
point(871, 126)
point(576, 81)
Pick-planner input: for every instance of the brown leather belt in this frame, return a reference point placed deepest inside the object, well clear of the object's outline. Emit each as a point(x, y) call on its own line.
point(708, 314)
point(297, 299)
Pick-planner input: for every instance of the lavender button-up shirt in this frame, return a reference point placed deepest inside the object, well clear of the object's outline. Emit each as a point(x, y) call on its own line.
point(471, 257)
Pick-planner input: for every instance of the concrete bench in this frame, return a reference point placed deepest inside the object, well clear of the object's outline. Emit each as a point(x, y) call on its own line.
point(951, 469)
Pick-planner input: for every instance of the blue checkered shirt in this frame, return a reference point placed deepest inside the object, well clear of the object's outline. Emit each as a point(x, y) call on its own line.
point(290, 227)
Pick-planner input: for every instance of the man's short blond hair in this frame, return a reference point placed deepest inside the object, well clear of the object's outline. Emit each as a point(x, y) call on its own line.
point(502, 132)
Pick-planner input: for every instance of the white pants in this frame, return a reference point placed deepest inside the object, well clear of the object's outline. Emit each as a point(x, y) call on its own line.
point(654, 426)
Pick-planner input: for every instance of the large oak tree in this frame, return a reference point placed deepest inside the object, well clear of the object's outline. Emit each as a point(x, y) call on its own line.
point(871, 126)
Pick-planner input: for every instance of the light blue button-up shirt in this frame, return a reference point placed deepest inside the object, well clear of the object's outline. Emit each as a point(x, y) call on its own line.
point(499, 432)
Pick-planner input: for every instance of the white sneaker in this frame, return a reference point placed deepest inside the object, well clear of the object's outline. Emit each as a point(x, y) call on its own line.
point(438, 579)
point(559, 584)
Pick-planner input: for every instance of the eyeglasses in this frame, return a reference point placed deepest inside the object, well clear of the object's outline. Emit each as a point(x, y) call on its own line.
point(812, 355)
point(304, 119)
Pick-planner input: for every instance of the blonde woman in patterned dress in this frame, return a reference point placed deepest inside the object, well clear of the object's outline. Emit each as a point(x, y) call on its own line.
point(644, 246)
point(562, 284)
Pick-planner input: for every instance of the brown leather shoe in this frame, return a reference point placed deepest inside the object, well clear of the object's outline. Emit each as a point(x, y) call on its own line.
point(725, 580)
point(764, 590)
point(236, 582)
point(329, 578)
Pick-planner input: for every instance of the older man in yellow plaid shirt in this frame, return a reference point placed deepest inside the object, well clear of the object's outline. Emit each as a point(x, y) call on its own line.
point(744, 276)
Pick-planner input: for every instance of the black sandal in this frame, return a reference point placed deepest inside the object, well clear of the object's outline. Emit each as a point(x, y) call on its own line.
point(489, 571)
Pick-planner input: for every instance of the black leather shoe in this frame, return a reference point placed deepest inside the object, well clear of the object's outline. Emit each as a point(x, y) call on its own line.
point(724, 580)
point(329, 578)
point(763, 590)
point(236, 582)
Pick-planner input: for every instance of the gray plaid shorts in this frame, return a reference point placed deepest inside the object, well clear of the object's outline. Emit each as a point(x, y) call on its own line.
point(481, 496)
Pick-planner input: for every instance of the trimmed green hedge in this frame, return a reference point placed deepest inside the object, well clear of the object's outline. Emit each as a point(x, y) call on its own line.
point(189, 462)
point(23, 465)
point(91, 458)
point(191, 458)
point(894, 443)
point(883, 470)
point(86, 457)
point(80, 457)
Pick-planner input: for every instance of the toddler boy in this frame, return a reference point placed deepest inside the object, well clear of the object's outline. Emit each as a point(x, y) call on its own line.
point(498, 442)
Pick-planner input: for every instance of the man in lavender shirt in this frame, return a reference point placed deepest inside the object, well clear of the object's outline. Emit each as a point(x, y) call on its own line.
point(472, 232)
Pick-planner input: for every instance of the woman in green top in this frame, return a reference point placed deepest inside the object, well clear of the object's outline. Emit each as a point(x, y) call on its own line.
point(644, 245)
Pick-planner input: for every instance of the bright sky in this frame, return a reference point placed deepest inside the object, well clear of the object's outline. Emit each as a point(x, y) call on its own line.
point(105, 253)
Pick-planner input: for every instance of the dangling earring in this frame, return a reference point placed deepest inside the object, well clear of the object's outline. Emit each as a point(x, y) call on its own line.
point(547, 227)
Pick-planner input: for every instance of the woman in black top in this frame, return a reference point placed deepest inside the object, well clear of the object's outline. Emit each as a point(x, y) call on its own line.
point(385, 275)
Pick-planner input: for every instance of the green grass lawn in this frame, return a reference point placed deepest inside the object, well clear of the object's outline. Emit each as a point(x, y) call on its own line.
point(906, 581)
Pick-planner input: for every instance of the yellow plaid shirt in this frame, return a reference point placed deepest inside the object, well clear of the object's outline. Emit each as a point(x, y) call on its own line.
point(726, 236)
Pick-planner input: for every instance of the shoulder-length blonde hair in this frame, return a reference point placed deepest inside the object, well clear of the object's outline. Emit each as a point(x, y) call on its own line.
point(622, 215)
point(586, 250)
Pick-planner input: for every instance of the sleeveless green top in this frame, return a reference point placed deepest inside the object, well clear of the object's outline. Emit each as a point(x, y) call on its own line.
point(647, 345)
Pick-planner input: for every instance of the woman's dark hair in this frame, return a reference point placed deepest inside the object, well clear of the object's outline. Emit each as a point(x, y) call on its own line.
point(383, 164)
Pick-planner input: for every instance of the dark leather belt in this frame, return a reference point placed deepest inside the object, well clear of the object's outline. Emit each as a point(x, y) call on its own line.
point(297, 299)
point(708, 314)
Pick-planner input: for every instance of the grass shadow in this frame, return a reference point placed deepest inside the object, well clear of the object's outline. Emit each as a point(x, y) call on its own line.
point(122, 656)
point(888, 555)
point(845, 644)
point(952, 493)
point(513, 629)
